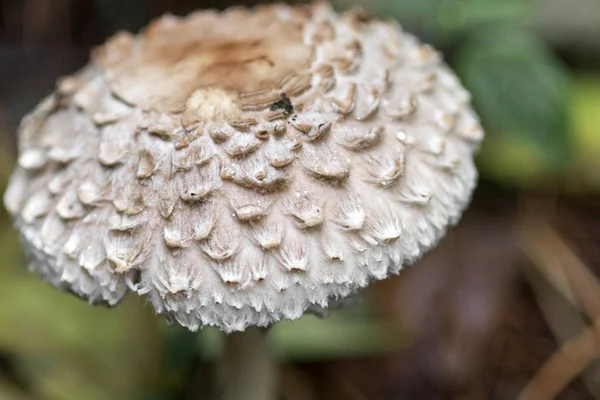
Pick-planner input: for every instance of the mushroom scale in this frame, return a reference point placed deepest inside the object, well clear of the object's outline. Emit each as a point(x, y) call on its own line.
point(241, 176)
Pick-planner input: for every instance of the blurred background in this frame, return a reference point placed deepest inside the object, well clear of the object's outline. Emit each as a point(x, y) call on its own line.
point(508, 305)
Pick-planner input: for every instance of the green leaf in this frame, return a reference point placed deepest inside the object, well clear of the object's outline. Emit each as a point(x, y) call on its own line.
point(443, 22)
point(514, 163)
point(584, 177)
point(460, 16)
point(520, 89)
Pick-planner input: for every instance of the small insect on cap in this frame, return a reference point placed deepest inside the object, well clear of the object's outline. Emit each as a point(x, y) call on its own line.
point(239, 168)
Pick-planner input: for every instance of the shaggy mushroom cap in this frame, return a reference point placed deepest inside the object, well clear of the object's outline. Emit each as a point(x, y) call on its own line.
point(239, 168)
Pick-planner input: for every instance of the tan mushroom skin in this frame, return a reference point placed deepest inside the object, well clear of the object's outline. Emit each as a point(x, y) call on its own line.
point(239, 168)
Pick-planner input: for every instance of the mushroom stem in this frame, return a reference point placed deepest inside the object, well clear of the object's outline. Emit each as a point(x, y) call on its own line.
point(247, 370)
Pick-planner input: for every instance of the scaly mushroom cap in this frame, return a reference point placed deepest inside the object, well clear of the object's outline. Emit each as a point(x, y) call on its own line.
point(239, 168)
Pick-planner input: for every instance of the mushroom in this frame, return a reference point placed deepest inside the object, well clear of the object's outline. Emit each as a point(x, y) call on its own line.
point(239, 168)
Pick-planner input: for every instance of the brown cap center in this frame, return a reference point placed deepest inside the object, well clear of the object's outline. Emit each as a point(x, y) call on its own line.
point(235, 52)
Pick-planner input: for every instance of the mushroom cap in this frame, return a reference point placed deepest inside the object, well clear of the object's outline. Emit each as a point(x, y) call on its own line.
point(240, 167)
